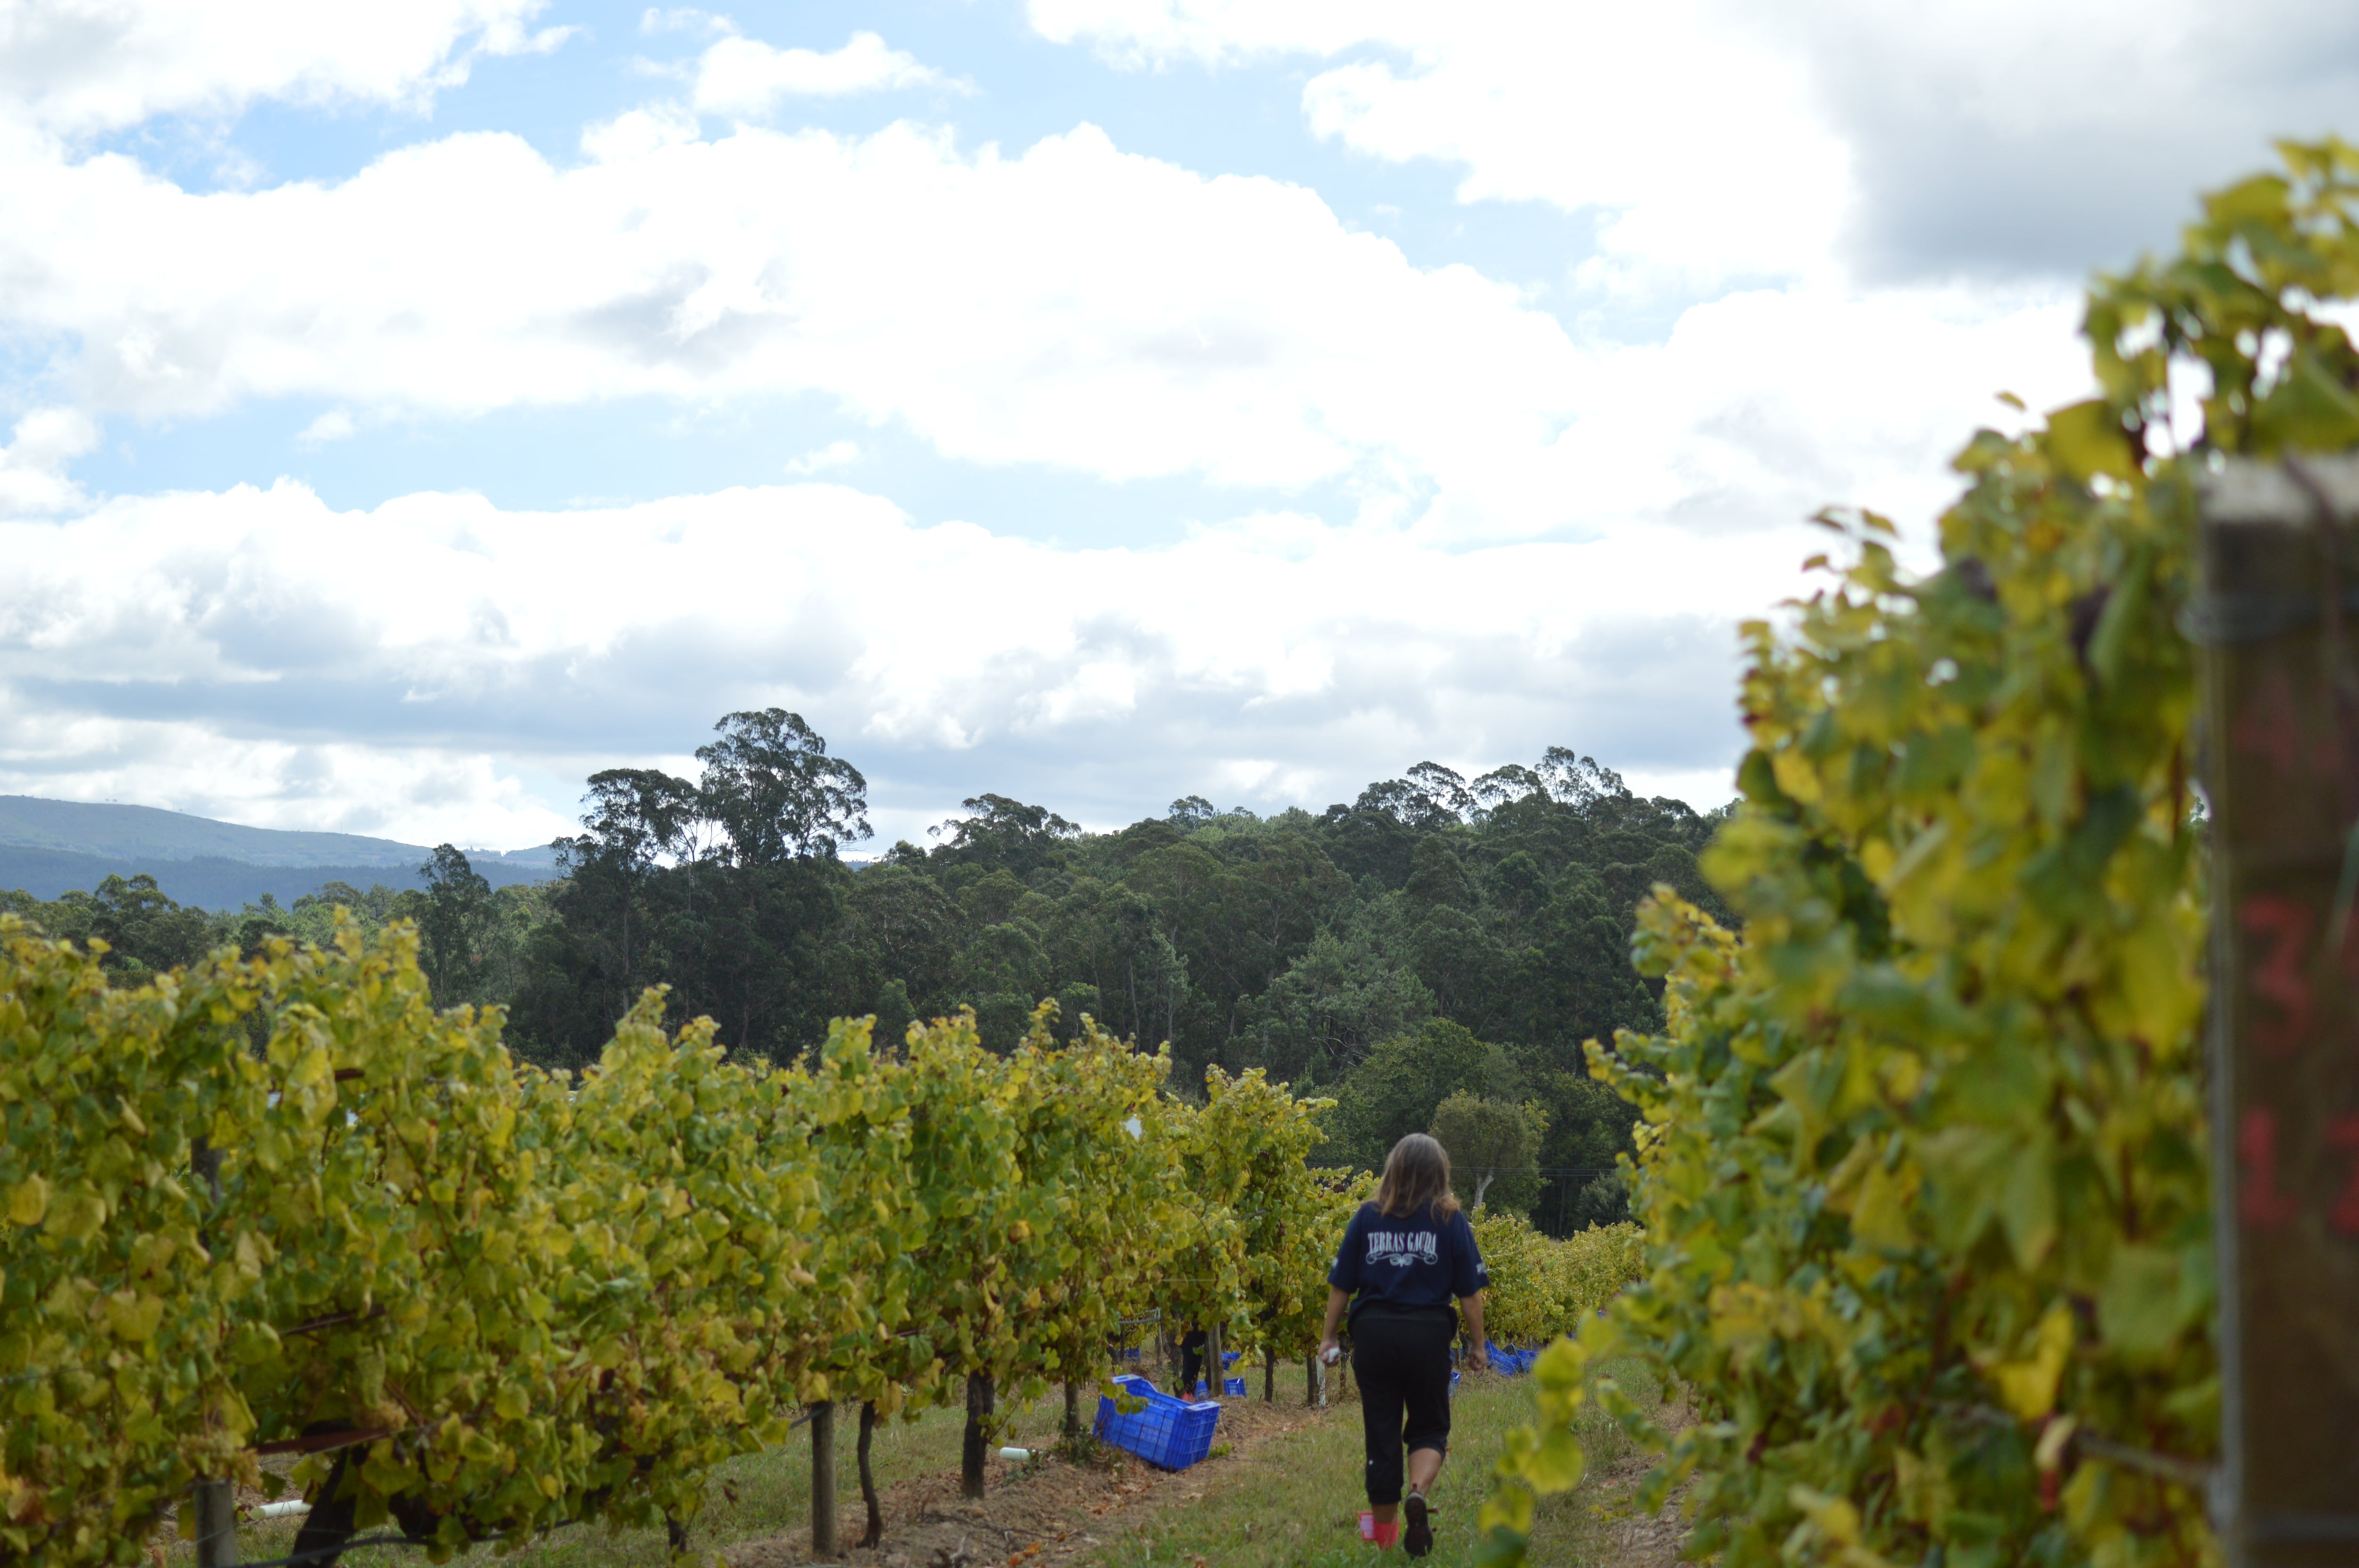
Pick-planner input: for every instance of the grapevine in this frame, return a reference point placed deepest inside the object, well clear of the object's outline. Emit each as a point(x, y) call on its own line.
point(1542, 1288)
point(1924, 1177)
point(484, 1299)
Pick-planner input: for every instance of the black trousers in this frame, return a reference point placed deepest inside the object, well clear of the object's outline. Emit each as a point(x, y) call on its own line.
point(1403, 1365)
point(1191, 1361)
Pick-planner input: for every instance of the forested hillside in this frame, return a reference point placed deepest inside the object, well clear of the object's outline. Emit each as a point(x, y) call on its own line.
point(1437, 948)
point(1434, 937)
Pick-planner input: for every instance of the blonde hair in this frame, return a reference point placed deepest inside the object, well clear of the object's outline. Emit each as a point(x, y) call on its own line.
point(1416, 1177)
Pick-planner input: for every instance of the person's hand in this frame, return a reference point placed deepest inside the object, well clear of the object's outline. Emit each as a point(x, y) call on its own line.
point(1479, 1358)
point(1330, 1352)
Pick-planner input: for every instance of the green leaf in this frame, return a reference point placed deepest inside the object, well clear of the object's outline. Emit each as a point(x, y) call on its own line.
point(2087, 440)
point(2308, 409)
point(2138, 1311)
point(2027, 1203)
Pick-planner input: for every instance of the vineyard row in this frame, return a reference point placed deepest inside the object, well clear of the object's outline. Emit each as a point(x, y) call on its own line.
point(281, 1204)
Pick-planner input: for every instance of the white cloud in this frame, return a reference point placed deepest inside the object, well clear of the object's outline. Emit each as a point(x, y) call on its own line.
point(1720, 138)
point(2029, 136)
point(1075, 305)
point(1695, 142)
point(639, 133)
point(183, 648)
point(1550, 526)
point(747, 78)
point(416, 795)
point(335, 425)
point(76, 67)
point(683, 19)
point(1708, 172)
point(1225, 32)
point(834, 455)
point(32, 466)
point(1765, 406)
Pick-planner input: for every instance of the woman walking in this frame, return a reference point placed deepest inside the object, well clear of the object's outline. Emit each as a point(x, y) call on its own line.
point(1405, 1258)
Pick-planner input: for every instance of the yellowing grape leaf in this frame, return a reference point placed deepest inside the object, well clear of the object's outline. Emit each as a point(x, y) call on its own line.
point(29, 1202)
point(2027, 1385)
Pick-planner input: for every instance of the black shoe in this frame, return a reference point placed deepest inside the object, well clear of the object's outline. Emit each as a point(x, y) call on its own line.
point(1417, 1538)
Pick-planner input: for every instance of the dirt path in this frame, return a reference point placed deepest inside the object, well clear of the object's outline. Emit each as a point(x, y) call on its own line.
point(1046, 1511)
point(1623, 1535)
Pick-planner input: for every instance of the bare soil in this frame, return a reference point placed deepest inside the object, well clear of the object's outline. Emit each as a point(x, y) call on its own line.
point(1047, 1510)
point(1623, 1535)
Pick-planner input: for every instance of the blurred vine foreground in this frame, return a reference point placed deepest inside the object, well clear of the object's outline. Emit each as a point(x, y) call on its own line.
point(1923, 1167)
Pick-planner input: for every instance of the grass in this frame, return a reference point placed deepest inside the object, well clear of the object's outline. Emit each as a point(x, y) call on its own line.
point(752, 1498)
point(1291, 1501)
point(1296, 1504)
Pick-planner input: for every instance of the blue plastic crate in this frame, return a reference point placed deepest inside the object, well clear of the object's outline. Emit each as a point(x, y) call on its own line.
point(1170, 1434)
point(1235, 1386)
point(1510, 1363)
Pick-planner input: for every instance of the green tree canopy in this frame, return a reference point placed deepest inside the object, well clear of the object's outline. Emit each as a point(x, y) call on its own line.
point(1491, 1140)
point(453, 923)
point(770, 784)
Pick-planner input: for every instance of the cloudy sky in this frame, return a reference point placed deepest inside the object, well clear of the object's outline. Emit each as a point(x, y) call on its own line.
point(416, 406)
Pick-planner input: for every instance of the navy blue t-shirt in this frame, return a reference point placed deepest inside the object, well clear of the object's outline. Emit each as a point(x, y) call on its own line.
point(1408, 1263)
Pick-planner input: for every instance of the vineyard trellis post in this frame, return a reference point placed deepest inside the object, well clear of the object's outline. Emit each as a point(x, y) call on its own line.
point(822, 1479)
point(2280, 567)
point(214, 1499)
point(981, 1397)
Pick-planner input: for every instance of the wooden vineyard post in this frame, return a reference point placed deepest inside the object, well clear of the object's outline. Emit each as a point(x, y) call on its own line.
point(822, 1480)
point(2280, 564)
point(980, 1397)
point(213, 1500)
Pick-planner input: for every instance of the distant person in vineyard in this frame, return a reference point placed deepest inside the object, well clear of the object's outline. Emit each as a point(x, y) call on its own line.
point(1405, 1259)
point(1192, 1360)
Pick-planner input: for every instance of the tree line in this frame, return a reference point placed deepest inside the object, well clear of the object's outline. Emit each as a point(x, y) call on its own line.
point(1432, 953)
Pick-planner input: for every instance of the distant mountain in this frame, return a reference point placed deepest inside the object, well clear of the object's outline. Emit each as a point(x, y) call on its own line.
point(145, 832)
point(48, 847)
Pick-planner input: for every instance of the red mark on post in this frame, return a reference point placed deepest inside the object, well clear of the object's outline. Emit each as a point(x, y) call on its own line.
point(2343, 1133)
point(2258, 1201)
point(2283, 927)
point(2266, 727)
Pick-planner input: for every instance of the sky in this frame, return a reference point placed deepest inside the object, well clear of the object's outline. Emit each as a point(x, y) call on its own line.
point(413, 408)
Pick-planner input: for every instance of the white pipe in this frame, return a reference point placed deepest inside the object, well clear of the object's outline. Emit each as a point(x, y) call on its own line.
point(283, 1511)
point(1015, 1455)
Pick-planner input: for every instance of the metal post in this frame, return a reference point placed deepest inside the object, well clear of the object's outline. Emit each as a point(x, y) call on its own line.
point(2280, 564)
